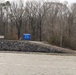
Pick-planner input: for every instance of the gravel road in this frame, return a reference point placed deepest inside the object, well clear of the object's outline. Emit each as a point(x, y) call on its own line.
point(36, 64)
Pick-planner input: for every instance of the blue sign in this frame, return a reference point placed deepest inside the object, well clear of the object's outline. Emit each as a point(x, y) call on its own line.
point(26, 37)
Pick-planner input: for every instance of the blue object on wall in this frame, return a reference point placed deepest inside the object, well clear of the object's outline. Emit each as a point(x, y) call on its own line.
point(26, 37)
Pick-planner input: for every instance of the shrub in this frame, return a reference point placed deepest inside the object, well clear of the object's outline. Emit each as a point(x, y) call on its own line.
point(54, 40)
point(66, 42)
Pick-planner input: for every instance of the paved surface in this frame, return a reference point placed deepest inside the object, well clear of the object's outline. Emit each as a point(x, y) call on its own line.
point(36, 64)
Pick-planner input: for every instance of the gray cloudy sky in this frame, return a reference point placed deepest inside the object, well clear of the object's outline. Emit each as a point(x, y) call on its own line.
point(70, 1)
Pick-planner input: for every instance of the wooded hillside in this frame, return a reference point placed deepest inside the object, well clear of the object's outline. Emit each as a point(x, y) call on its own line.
point(53, 22)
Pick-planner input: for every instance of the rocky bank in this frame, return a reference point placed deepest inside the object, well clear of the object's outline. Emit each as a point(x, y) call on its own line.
point(31, 46)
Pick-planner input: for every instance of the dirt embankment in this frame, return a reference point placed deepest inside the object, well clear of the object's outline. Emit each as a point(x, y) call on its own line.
point(31, 46)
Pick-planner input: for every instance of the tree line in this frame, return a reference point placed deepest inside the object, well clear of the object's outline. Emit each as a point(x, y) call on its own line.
point(53, 22)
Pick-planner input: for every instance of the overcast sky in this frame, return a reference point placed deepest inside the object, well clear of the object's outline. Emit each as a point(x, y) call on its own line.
point(70, 1)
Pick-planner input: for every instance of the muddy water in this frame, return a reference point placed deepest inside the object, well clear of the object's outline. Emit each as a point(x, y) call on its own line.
point(36, 64)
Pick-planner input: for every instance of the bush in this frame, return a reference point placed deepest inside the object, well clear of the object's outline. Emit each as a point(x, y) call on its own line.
point(66, 42)
point(54, 40)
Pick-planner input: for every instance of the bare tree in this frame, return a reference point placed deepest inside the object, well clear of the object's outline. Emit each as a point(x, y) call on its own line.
point(17, 16)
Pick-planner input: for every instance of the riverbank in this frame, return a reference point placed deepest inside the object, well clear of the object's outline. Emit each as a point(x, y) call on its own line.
point(31, 46)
